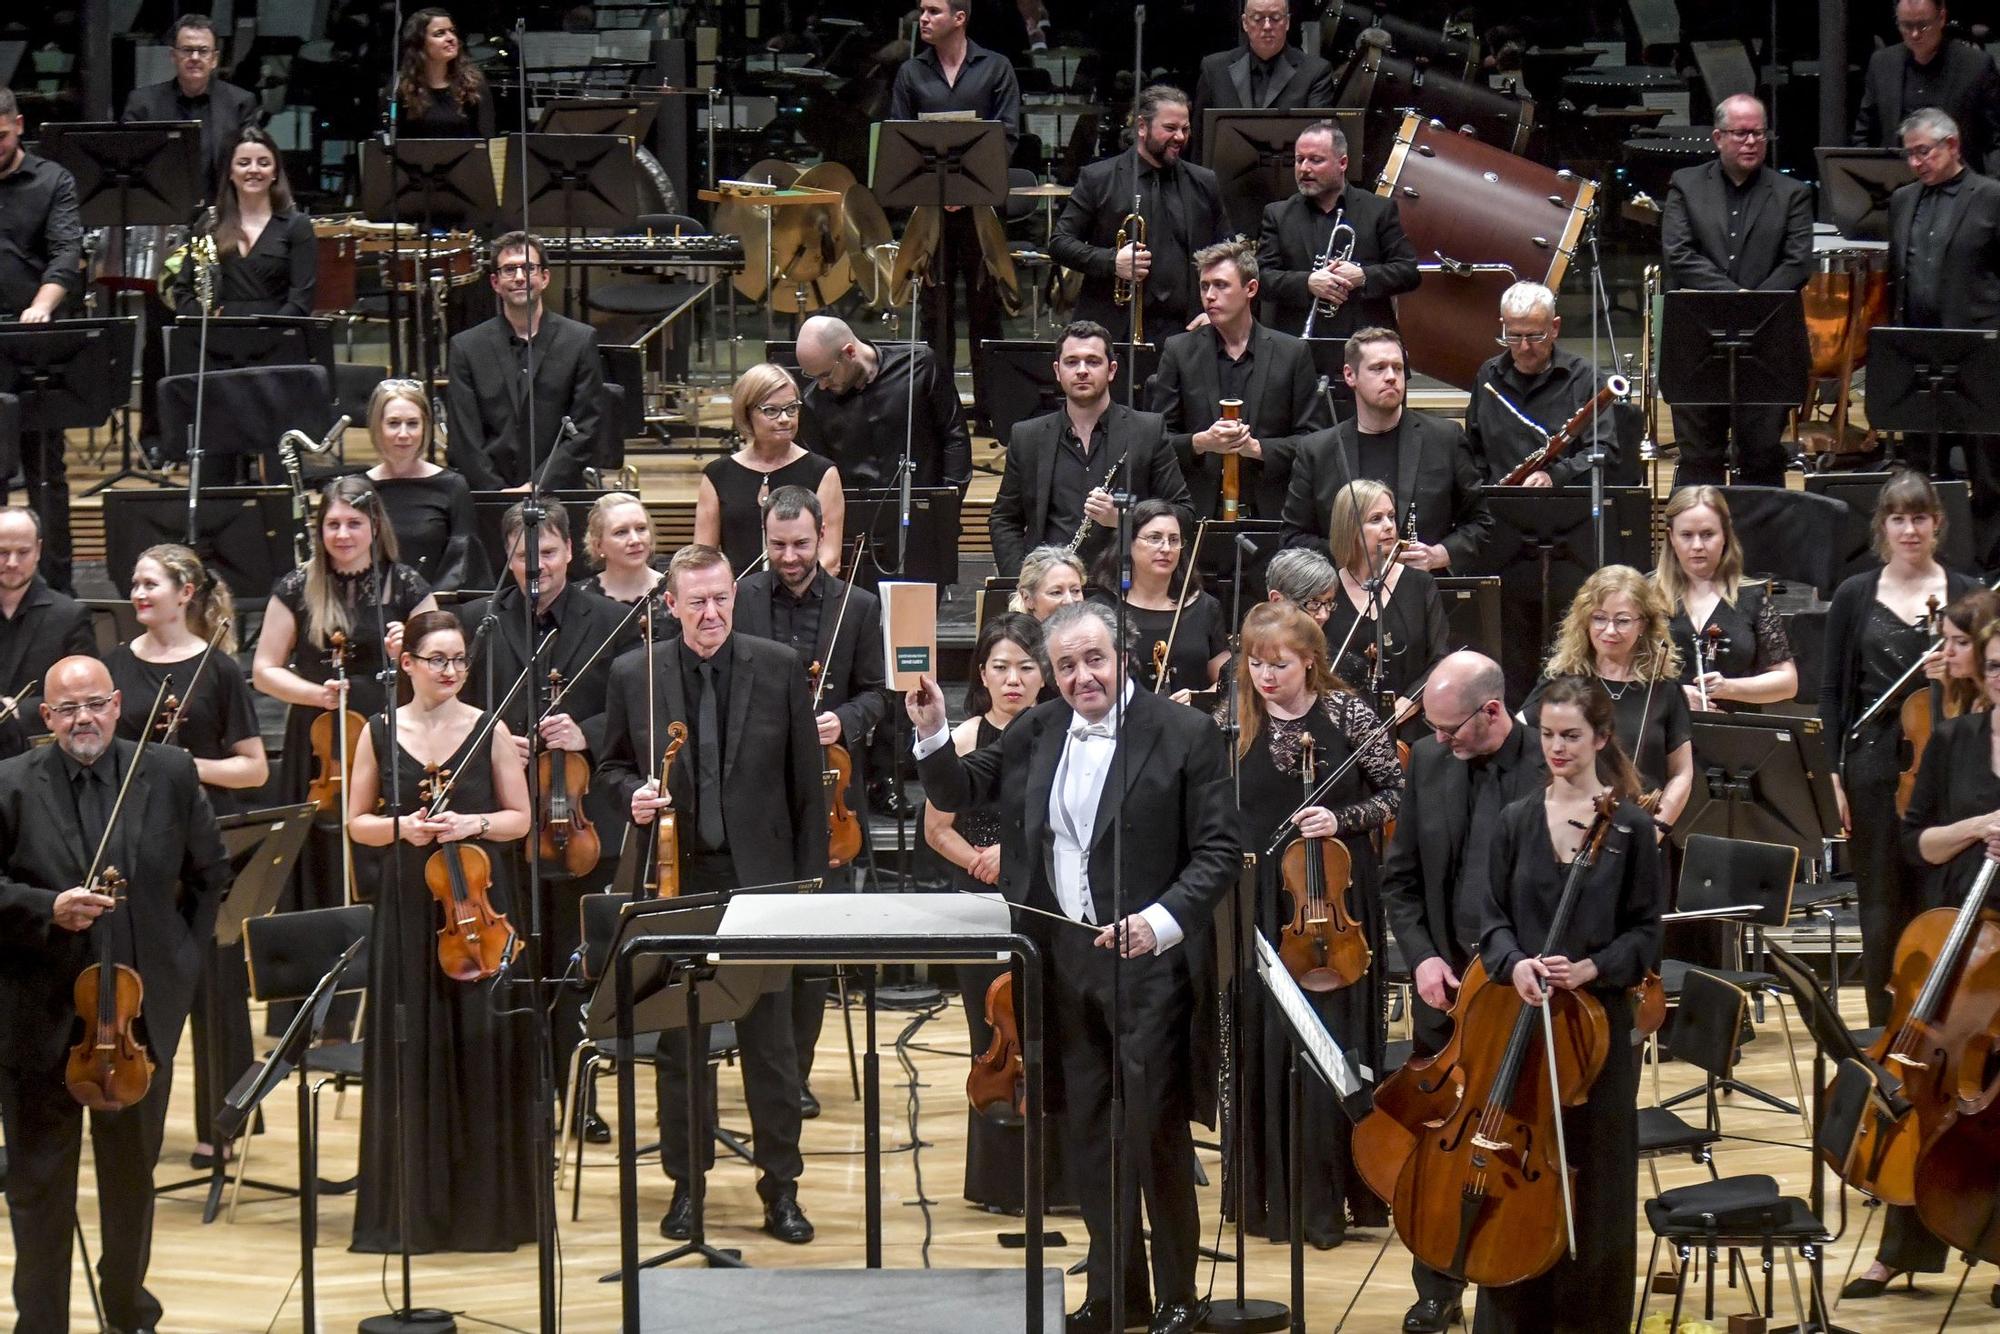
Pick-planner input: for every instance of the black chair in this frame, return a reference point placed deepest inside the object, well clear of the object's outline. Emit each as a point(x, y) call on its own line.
point(1794, 536)
point(1703, 1040)
point(10, 435)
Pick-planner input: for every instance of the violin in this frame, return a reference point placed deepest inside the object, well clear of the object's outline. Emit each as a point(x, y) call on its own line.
point(1919, 714)
point(568, 838)
point(332, 766)
point(667, 835)
point(1649, 1004)
point(1159, 664)
point(476, 938)
point(995, 1085)
point(1481, 1189)
point(1711, 638)
point(1322, 946)
point(843, 827)
point(168, 722)
point(109, 1068)
point(169, 726)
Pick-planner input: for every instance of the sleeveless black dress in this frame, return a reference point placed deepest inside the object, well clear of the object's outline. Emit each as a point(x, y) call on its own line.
point(738, 489)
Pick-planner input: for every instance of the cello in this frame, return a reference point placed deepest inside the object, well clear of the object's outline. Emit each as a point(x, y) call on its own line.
point(1322, 945)
point(332, 767)
point(476, 938)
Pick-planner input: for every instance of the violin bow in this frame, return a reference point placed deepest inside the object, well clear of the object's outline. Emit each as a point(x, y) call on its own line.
point(819, 686)
point(610, 638)
point(145, 735)
point(187, 696)
point(493, 718)
point(1180, 605)
point(19, 695)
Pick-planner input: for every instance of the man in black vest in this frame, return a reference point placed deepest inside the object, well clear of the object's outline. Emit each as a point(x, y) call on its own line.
point(38, 626)
point(1928, 68)
point(1266, 72)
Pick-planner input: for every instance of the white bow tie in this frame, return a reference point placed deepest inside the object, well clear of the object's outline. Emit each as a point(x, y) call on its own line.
point(1091, 729)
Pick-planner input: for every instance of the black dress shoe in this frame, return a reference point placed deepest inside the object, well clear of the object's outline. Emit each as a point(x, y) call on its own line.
point(1178, 1318)
point(594, 1129)
point(1861, 1289)
point(808, 1104)
point(1325, 1238)
point(787, 1222)
point(1094, 1317)
point(678, 1224)
point(1432, 1316)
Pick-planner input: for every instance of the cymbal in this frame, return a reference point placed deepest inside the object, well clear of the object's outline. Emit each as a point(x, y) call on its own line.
point(804, 298)
point(870, 243)
point(753, 224)
point(1048, 191)
point(998, 256)
point(914, 252)
point(809, 246)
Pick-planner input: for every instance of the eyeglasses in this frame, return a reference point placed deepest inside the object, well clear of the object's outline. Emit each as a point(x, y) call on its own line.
point(1745, 136)
point(520, 270)
point(1318, 607)
point(1447, 733)
point(1922, 152)
point(1619, 623)
point(1915, 29)
point(439, 662)
point(779, 411)
point(95, 704)
point(1508, 339)
point(194, 52)
point(1267, 20)
point(1161, 541)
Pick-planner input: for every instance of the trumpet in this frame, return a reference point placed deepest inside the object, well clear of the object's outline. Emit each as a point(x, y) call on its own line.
point(1132, 232)
point(1337, 252)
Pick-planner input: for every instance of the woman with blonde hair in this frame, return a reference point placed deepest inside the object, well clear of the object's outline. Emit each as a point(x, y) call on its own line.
point(429, 507)
point(618, 537)
point(1378, 590)
point(1288, 697)
point(1616, 633)
point(765, 405)
point(1745, 655)
point(1050, 577)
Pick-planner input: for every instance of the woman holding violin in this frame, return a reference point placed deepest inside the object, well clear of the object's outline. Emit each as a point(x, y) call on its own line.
point(1299, 720)
point(188, 643)
point(1732, 642)
point(1407, 608)
point(1610, 938)
point(1173, 622)
point(466, 1109)
point(1877, 629)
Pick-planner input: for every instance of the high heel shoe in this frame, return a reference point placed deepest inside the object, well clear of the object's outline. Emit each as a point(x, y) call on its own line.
point(1863, 1288)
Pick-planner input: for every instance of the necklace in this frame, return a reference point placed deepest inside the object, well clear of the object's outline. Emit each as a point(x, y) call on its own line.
point(1618, 694)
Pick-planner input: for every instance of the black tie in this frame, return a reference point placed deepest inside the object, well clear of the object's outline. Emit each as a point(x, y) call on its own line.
point(93, 806)
point(708, 762)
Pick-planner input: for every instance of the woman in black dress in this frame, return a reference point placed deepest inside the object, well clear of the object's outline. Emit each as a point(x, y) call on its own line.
point(1410, 612)
point(181, 605)
point(729, 503)
point(1744, 653)
point(439, 93)
point(619, 540)
point(430, 508)
point(1961, 689)
point(1007, 681)
point(1285, 693)
point(459, 1103)
point(1613, 937)
point(1616, 632)
point(1876, 628)
point(267, 262)
point(1163, 584)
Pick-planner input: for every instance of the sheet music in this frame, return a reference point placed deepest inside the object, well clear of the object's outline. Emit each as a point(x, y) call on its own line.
point(625, 44)
point(1315, 1043)
point(559, 50)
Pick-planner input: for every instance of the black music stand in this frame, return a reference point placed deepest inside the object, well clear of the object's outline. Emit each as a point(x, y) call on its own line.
point(1250, 151)
point(1937, 381)
point(489, 508)
point(436, 182)
point(588, 180)
point(627, 117)
point(1854, 189)
point(1747, 347)
point(1760, 776)
point(1472, 610)
point(1021, 379)
point(248, 409)
point(67, 375)
point(246, 534)
point(236, 341)
point(931, 555)
point(1853, 540)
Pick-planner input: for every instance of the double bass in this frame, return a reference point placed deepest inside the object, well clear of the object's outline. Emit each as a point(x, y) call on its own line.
point(1322, 945)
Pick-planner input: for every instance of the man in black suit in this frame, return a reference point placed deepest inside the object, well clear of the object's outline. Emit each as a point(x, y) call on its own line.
point(1476, 759)
point(1182, 208)
point(752, 811)
point(1735, 225)
point(837, 627)
point(38, 626)
point(1266, 72)
point(1269, 376)
point(1065, 466)
point(1423, 460)
point(55, 805)
point(487, 402)
point(1541, 381)
point(1928, 68)
point(1296, 232)
point(194, 93)
point(1944, 264)
point(1056, 779)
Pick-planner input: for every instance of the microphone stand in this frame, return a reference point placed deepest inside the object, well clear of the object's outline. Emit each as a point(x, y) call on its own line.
point(207, 227)
point(391, 138)
point(1120, 766)
point(1600, 306)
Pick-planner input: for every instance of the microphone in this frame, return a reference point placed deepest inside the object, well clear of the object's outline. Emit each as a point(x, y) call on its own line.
point(334, 435)
point(486, 623)
point(1245, 545)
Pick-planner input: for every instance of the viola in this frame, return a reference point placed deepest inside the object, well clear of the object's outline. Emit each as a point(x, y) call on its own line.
point(843, 827)
point(995, 1085)
point(1649, 1004)
point(1919, 714)
point(330, 766)
point(109, 1068)
point(476, 938)
point(568, 838)
point(1322, 946)
point(667, 835)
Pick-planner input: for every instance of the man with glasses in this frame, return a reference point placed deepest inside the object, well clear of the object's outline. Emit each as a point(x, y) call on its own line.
point(858, 403)
point(1476, 759)
point(521, 358)
point(56, 805)
point(1735, 225)
point(1265, 73)
point(194, 93)
point(38, 626)
point(1524, 394)
point(1930, 69)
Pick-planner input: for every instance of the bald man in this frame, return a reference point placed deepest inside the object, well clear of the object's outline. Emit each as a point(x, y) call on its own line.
point(858, 405)
point(1475, 760)
point(55, 804)
point(37, 626)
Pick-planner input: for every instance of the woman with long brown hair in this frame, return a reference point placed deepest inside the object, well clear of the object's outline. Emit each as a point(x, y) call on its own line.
point(1166, 606)
point(1955, 665)
point(267, 262)
point(439, 93)
point(1745, 656)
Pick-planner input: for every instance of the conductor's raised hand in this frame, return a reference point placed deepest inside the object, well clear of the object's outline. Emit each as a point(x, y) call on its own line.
point(925, 705)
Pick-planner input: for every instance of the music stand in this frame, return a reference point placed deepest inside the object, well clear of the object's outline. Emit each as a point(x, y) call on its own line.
point(449, 180)
point(489, 508)
point(1750, 346)
point(1938, 381)
point(70, 374)
point(246, 534)
point(1472, 610)
point(1021, 379)
point(1854, 189)
point(1854, 538)
point(931, 555)
point(589, 180)
point(628, 117)
point(236, 341)
point(250, 407)
point(1250, 151)
point(1760, 776)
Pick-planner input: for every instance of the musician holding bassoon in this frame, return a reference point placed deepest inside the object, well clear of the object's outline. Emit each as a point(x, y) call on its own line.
point(1236, 395)
point(1475, 760)
point(1302, 722)
point(57, 804)
point(748, 796)
point(1523, 395)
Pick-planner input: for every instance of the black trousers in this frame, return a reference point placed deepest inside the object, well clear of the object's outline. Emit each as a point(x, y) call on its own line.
point(963, 263)
point(1982, 470)
point(1891, 892)
point(44, 1128)
point(1702, 434)
point(1158, 1005)
point(45, 469)
point(1430, 1029)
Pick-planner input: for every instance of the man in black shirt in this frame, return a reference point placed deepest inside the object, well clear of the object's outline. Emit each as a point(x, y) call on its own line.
point(41, 248)
point(951, 72)
point(1266, 71)
point(1543, 382)
point(38, 626)
point(194, 93)
point(1929, 69)
point(858, 402)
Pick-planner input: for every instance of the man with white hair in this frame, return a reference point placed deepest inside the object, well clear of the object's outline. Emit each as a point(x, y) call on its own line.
point(1524, 394)
point(859, 404)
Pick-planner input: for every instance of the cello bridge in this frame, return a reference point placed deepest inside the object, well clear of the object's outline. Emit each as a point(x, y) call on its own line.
point(1490, 1145)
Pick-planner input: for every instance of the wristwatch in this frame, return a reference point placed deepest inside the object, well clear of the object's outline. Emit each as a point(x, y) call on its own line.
point(484, 825)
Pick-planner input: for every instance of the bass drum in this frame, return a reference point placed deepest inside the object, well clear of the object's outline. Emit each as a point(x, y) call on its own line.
point(1388, 87)
point(1474, 210)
